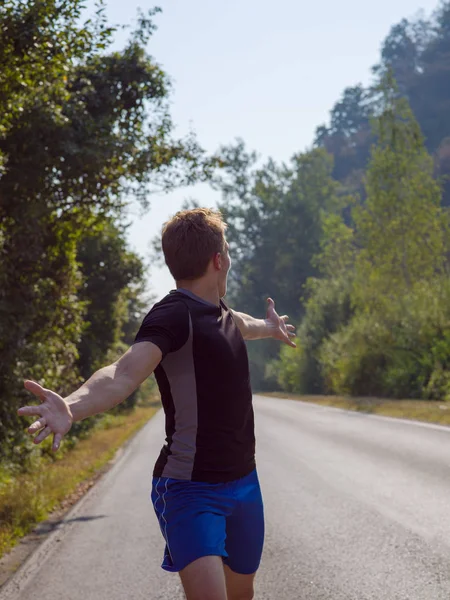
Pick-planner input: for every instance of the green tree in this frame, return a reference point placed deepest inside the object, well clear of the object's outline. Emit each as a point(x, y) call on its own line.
point(327, 305)
point(401, 235)
point(116, 300)
point(402, 52)
point(81, 129)
point(401, 228)
point(348, 136)
point(275, 223)
point(109, 270)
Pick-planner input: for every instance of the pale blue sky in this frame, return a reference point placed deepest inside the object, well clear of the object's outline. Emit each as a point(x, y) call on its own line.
point(266, 71)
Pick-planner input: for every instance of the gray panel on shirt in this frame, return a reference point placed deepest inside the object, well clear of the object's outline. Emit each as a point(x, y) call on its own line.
point(180, 372)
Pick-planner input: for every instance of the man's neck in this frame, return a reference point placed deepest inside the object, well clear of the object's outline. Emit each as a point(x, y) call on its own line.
point(202, 289)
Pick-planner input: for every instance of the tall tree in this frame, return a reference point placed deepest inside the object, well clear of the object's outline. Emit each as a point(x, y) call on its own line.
point(109, 271)
point(401, 225)
point(327, 307)
point(402, 238)
point(402, 52)
point(429, 92)
point(275, 219)
point(348, 136)
point(81, 128)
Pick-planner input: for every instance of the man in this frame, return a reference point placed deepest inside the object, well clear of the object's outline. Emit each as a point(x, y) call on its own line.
point(205, 490)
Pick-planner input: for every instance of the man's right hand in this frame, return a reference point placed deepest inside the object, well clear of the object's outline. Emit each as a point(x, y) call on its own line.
point(54, 415)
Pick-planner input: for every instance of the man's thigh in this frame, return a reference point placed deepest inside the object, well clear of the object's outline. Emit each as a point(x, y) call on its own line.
point(204, 579)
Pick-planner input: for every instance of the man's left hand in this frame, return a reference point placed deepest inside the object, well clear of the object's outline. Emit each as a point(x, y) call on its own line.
point(278, 326)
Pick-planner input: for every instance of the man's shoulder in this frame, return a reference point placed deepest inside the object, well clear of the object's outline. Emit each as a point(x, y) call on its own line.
point(166, 325)
point(172, 298)
point(171, 304)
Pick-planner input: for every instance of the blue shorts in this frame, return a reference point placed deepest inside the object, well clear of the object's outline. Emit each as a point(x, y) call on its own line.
point(204, 519)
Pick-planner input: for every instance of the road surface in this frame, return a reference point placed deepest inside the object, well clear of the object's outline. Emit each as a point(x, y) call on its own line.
point(357, 508)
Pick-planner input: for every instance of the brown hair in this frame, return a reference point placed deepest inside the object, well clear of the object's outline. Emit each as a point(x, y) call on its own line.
point(189, 241)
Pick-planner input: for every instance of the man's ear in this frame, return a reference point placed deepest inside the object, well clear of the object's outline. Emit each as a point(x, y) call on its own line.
point(217, 261)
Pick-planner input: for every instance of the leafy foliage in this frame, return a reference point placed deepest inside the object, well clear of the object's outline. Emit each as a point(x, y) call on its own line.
point(274, 215)
point(82, 129)
point(387, 277)
point(373, 316)
point(417, 52)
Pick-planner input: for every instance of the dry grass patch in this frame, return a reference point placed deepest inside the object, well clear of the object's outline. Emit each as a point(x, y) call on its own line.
point(30, 498)
point(417, 410)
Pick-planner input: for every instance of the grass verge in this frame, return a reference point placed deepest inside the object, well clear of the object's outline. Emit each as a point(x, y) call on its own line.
point(416, 410)
point(30, 498)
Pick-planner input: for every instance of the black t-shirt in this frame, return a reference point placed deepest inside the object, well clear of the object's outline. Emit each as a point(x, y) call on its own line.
point(204, 383)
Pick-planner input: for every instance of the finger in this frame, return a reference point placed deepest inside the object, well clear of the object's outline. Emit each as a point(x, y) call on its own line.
point(290, 327)
point(35, 389)
point(292, 334)
point(284, 318)
point(30, 411)
point(270, 304)
point(56, 441)
point(41, 436)
point(287, 340)
point(39, 424)
point(289, 343)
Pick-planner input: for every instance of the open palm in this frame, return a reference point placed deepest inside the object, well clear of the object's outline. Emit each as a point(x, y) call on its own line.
point(54, 415)
point(279, 327)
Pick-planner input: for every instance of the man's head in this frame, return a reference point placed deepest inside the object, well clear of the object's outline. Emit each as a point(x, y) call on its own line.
point(194, 247)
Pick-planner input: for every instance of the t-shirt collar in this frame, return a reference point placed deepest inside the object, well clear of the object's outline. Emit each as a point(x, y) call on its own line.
point(195, 297)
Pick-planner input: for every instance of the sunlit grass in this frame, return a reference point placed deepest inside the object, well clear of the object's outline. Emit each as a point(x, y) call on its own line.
point(30, 498)
point(418, 410)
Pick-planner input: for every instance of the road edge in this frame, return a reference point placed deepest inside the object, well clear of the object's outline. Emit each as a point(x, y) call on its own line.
point(16, 566)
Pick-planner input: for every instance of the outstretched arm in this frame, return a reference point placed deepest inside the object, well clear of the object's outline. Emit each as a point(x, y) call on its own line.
point(105, 389)
point(273, 326)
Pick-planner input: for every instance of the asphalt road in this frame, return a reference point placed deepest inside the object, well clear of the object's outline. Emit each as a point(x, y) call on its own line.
point(357, 508)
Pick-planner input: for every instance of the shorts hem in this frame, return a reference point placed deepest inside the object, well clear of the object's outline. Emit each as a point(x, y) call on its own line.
point(200, 554)
point(240, 571)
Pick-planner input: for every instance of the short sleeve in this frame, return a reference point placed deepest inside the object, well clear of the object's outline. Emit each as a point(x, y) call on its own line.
point(166, 325)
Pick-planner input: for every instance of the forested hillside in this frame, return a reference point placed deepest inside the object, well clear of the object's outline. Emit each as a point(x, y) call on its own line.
point(352, 236)
point(417, 51)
